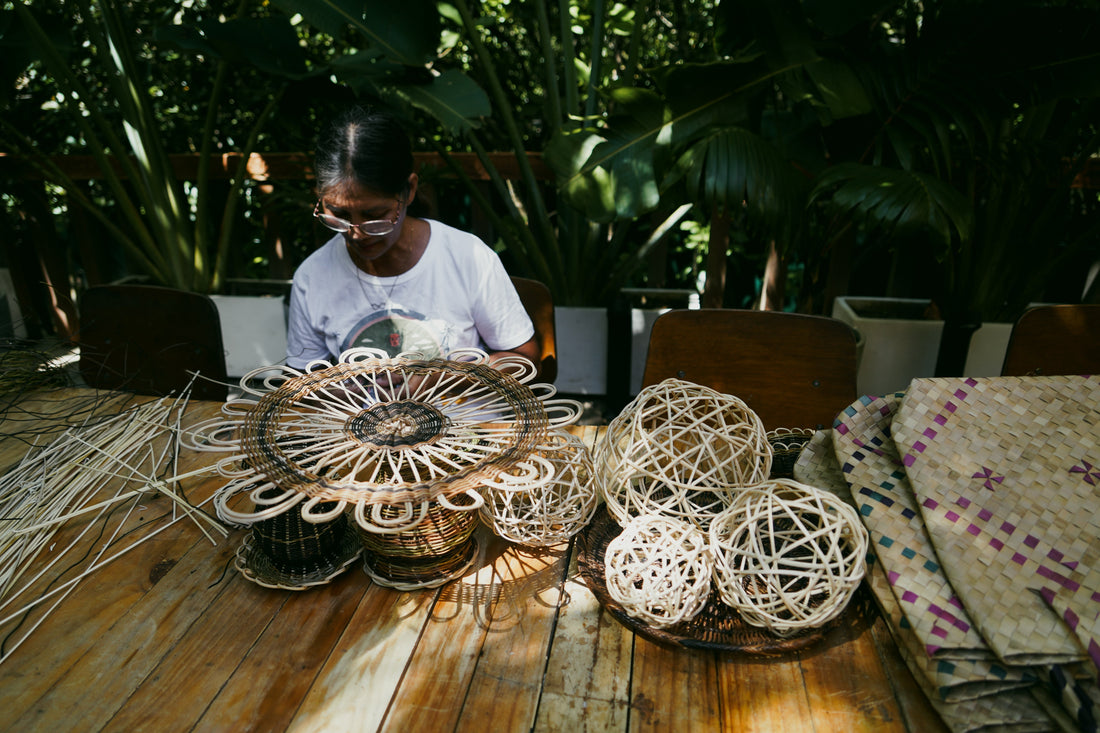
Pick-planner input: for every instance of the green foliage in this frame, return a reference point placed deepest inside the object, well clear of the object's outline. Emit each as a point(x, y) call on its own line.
point(909, 124)
point(518, 76)
point(104, 72)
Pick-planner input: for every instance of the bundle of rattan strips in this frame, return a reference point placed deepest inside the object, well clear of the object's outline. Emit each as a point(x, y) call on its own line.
point(371, 432)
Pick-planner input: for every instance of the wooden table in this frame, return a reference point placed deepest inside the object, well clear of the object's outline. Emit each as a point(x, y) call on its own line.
point(170, 637)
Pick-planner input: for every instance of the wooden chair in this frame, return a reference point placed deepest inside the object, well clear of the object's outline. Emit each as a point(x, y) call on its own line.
point(539, 304)
point(793, 370)
point(1054, 339)
point(146, 339)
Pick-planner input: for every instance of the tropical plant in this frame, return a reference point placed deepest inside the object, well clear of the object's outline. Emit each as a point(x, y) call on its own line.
point(501, 75)
point(894, 118)
point(105, 75)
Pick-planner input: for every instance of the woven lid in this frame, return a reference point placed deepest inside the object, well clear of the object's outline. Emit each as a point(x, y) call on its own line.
point(1004, 471)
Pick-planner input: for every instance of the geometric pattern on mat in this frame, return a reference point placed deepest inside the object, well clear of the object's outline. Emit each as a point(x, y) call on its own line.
point(948, 681)
point(880, 488)
point(1002, 471)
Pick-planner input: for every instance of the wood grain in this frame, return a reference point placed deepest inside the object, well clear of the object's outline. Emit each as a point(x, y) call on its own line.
point(170, 637)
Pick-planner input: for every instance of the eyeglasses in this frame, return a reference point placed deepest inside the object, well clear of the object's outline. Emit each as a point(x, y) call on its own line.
point(372, 228)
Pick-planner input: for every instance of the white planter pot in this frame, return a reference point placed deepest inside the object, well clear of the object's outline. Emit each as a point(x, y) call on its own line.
point(253, 331)
point(582, 348)
point(581, 334)
point(896, 350)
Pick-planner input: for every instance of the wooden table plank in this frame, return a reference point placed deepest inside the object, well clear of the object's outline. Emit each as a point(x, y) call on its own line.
point(673, 689)
point(287, 656)
point(121, 659)
point(763, 694)
point(587, 685)
point(355, 685)
point(437, 678)
point(845, 683)
point(504, 690)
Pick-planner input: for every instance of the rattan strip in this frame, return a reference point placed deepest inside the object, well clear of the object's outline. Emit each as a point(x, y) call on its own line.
point(870, 463)
point(1001, 468)
point(680, 450)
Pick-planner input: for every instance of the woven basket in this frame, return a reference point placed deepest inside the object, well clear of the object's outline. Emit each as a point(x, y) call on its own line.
point(440, 532)
point(717, 627)
point(288, 552)
point(787, 445)
point(425, 572)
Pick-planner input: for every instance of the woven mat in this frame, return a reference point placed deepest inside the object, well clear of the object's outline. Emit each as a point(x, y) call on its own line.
point(942, 680)
point(1004, 473)
point(880, 488)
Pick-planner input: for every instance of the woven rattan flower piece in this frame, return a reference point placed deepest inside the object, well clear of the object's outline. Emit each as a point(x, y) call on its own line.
point(659, 570)
point(372, 432)
point(787, 556)
point(680, 450)
point(554, 512)
point(1004, 473)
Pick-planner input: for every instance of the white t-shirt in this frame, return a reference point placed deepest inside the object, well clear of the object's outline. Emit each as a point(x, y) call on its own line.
point(458, 295)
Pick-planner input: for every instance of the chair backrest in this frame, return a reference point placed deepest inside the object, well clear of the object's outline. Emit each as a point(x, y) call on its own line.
point(145, 339)
point(793, 370)
point(1054, 339)
point(539, 305)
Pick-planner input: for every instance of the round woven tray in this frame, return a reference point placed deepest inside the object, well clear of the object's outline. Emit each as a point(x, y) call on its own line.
point(717, 627)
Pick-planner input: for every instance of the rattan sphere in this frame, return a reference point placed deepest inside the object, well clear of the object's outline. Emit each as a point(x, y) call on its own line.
point(787, 556)
point(551, 513)
point(659, 569)
point(680, 450)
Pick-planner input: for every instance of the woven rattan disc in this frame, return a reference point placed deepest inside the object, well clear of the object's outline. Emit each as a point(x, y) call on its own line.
point(787, 556)
point(373, 430)
point(680, 450)
point(659, 570)
point(551, 513)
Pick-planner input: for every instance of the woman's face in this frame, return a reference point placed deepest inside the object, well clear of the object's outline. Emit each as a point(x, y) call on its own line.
point(356, 204)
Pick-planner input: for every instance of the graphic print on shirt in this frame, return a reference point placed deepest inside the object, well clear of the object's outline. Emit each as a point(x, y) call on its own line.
point(397, 331)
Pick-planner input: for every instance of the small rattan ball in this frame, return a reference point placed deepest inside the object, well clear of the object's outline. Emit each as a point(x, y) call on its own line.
point(787, 556)
point(554, 512)
point(658, 569)
point(681, 450)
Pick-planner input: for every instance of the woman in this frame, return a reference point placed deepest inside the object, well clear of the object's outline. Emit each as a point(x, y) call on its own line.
point(389, 280)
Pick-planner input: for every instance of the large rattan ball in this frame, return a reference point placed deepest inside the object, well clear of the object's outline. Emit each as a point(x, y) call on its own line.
point(787, 556)
point(658, 569)
point(681, 450)
point(554, 512)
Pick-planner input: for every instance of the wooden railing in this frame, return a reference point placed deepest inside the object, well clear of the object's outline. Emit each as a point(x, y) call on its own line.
point(39, 263)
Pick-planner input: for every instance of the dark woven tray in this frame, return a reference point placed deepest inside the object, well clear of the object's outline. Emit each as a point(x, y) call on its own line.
point(717, 627)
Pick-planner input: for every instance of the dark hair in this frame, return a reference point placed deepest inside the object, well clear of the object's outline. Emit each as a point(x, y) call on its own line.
point(366, 147)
